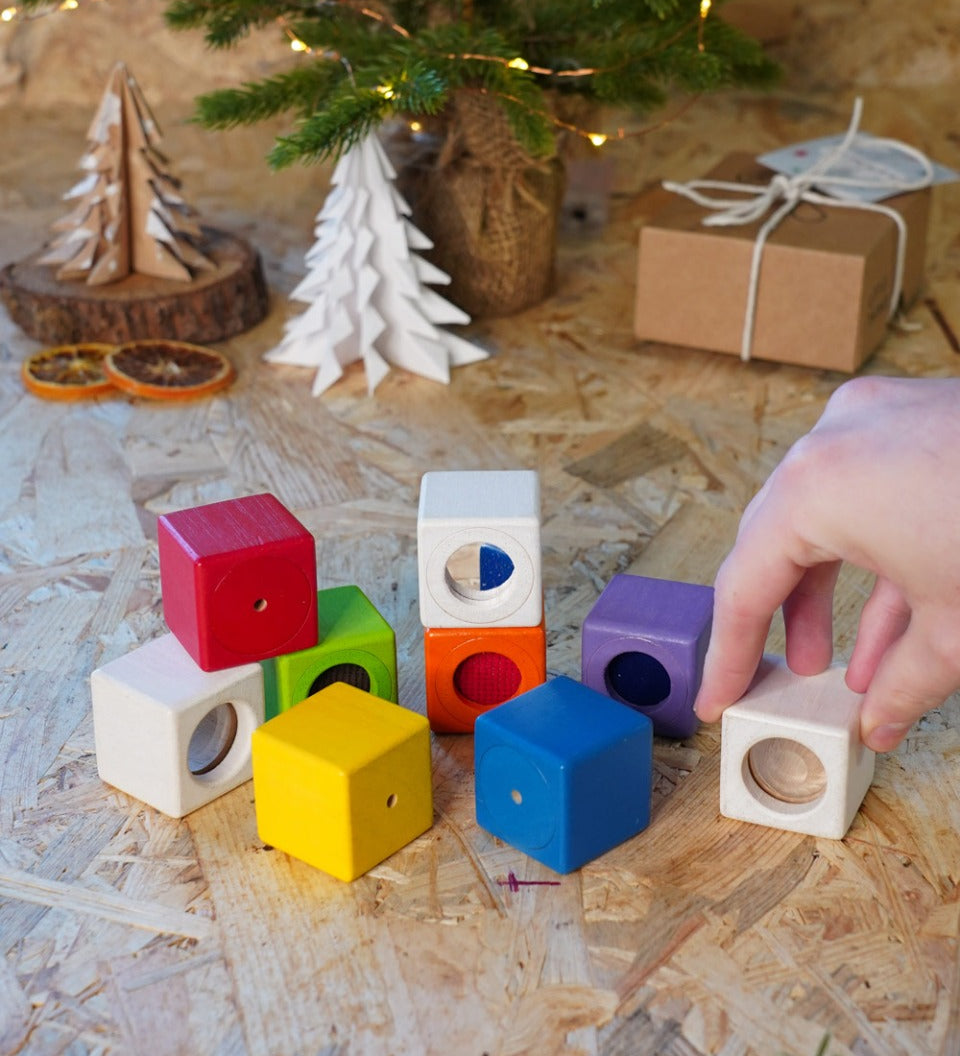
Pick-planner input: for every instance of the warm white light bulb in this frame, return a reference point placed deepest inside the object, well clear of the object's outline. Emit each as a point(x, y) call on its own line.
point(597, 138)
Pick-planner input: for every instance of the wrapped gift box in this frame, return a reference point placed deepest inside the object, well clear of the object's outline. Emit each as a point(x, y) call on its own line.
point(826, 276)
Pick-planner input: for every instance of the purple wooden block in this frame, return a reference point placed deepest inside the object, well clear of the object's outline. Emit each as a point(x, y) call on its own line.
point(643, 643)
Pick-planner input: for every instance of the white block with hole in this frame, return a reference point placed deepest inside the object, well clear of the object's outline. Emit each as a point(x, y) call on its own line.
point(478, 547)
point(169, 733)
point(791, 755)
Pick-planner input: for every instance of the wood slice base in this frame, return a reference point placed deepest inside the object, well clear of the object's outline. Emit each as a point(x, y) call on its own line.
point(216, 305)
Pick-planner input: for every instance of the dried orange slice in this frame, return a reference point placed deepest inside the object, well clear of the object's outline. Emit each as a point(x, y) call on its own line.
point(167, 370)
point(68, 372)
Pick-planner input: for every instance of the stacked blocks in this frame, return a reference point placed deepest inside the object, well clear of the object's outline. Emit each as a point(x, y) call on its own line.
point(563, 773)
point(481, 592)
point(790, 752)
point(343, 780)
point(170, 733)
point(173, 718)
point(356, 646)
point(643, 643)
point(238, 580)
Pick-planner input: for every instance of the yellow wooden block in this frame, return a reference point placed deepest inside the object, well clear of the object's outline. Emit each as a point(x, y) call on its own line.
point(342, 780)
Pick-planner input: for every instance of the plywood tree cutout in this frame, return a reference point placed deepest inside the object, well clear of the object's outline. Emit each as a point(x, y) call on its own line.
point(365, 285)
point(129, 216)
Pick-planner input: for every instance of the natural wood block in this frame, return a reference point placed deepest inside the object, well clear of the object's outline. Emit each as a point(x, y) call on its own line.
point(356, 645)
point(791, 756)
point(218, 303)
point(239, 580)
point(472, 669)
point(343, 780)
point(169, 733)
point(478, 548)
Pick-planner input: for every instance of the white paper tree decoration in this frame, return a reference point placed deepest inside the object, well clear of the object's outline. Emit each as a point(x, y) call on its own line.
point(365, 287)
point(129, 215)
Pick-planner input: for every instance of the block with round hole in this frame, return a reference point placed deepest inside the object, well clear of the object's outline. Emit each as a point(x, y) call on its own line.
point(238, 580)
point(791, 755)
point(356, 645)
point(478, 549)
point(342, 780)
point(169, 733)
point(472, 669)
point(563, 773)
point(643, 643)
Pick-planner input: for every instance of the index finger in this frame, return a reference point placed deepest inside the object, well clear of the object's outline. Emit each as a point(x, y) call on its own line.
point(752, 583)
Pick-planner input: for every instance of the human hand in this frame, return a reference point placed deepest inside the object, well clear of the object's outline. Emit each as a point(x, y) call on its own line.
point(875, 483)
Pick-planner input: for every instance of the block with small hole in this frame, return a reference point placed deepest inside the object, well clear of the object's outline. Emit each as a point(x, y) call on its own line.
point(169, 733)
point(238, 580)
point(643, 643)
point(343, 780)
point(563, 773)
point(356, 645)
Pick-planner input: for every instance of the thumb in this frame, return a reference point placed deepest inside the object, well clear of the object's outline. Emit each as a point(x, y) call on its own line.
point(909, 681)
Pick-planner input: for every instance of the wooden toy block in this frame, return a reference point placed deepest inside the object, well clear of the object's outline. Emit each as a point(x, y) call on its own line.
point(472, 669)
point(356, 646)
point(169, 733)
point(563, 773)
point(643, 643)
point(790, 752)
point(239, 580)
point(343, 780)
point(478, 547)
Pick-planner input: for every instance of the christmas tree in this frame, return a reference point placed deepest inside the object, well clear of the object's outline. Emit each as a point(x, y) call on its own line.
point(129, 215)
point(364, 286)
point(369, 61)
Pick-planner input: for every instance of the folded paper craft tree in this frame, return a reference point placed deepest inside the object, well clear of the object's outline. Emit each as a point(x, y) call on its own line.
point(365, 287)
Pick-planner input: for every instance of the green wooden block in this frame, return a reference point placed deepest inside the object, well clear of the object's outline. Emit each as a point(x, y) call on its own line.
point(357, 646)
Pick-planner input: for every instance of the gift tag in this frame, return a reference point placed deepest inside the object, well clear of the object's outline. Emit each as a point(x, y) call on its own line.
point(885, 167)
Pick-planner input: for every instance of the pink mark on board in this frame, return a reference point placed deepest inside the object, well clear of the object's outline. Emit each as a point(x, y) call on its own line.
point(514, 884)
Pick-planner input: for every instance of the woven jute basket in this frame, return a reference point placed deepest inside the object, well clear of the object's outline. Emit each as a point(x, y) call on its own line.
point(490, 209)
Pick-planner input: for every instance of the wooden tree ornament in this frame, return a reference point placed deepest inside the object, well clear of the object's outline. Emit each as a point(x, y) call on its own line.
point(131, 259)
point(365, 285)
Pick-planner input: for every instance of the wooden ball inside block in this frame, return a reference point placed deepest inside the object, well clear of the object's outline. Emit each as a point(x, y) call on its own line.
point(356, 645)
point(478, 549)
point(239, 580)
point(169, 733)
point(472, 669)
point(563, 773)
point(791, 756)
point(342, 780)
point(643, 643)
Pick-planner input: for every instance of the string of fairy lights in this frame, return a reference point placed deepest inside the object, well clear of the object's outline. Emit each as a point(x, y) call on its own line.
point(13, 13)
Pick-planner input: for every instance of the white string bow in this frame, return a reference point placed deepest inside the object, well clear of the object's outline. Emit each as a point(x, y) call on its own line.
point(789, 191)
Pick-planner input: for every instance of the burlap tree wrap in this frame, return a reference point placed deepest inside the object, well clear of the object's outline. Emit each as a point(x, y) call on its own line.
point(490, 209)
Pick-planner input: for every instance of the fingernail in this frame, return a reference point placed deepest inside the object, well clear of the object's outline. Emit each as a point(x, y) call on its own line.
point(883, 738)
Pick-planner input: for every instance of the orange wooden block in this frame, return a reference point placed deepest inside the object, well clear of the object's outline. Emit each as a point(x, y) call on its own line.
point(472, 669)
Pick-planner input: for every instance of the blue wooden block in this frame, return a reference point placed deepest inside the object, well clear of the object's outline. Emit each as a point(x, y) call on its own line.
point(563, 773)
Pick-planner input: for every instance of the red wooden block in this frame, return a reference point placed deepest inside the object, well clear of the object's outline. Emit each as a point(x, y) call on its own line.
point(239, 581)
point(470, 670)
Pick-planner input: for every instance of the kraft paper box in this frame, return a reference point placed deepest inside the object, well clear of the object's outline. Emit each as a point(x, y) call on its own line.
point(826, 277)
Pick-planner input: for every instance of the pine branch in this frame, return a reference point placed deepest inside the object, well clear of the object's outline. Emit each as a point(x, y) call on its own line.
point(422, 50)
point(302, 90)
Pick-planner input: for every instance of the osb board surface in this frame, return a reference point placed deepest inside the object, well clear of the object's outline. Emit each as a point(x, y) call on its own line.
point(125, 932)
